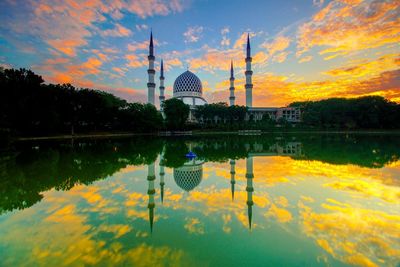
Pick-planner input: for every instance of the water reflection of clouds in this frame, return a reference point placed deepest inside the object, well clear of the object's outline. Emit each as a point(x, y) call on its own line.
point(358, 236)
point(64, 233)
point(334, 212)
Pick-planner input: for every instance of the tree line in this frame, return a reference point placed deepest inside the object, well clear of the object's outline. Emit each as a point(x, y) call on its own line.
point(28, 169)
point(368, 112)
point(31, 107)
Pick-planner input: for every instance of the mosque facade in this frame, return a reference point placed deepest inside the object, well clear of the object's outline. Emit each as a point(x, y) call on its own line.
point(188, 88)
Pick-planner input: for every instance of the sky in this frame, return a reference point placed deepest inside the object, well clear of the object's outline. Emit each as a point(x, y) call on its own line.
point(302, 50)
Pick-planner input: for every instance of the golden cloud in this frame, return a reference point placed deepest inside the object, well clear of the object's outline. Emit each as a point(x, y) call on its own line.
point(368, 68)
point(305, 59)
point(279, 44)
point(348, 26)
point(277, 90)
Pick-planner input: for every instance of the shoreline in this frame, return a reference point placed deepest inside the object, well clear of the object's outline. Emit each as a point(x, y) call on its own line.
point(198, 133)
point(77, 136)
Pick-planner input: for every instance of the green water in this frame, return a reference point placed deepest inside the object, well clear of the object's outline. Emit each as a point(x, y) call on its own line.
point(294, 200)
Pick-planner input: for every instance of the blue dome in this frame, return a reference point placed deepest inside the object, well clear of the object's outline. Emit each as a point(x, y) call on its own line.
point(188, 83)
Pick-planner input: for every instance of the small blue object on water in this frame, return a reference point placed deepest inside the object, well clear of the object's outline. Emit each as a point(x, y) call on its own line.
point(191, 155)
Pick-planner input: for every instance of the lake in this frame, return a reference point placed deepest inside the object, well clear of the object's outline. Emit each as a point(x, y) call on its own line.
point(268, 200)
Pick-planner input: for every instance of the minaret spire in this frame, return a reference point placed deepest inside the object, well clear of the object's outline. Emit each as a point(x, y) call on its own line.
point(248, 52)
point(162, 88)
point(151, 46)
point(248, 73)
point(249, 188)
point(151, 86)
point(232, 87)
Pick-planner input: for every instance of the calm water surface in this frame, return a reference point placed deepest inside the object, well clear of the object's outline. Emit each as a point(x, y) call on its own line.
point(302, 200)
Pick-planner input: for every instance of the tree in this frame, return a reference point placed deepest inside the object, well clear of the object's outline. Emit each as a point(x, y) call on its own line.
point(369, 112)
point(19, 100)
point(220, 115)
point(152, 119)
point(29, 107)
point(176, 113)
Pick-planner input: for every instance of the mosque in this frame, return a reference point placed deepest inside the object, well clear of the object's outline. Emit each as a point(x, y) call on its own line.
point(188, 176)
point(188, 88)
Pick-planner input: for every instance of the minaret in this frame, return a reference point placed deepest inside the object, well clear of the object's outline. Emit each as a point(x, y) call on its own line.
point(162, 173)
point(249, 188)
point(162, 97)
point(248, 73)
point(232, 162)
point(151, 191)
point(151, 86)
point(232, 87)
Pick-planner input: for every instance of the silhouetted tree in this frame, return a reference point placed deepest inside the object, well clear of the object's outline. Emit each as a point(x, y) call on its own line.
point(176, 113)
point(29, 107)
point(220, 115)
point(369, 112)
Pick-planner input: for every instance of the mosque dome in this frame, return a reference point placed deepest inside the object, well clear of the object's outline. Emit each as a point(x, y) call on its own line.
point(188, 84)
point(189, 175)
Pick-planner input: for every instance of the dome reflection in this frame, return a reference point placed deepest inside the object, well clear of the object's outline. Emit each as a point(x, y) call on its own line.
point(189, 175)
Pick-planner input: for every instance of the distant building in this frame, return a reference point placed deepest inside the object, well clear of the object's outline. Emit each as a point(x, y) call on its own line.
point(189, 89)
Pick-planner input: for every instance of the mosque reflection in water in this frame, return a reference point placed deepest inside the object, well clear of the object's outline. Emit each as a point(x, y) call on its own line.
point(189, 175)
point(278, 199)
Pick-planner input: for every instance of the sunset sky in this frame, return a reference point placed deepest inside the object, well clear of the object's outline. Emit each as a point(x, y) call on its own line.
point(302, 50)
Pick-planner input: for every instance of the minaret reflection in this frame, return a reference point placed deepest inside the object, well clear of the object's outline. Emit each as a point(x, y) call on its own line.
point(162, 174)
point(232, 162)
point(249, 188)
point(151, 191)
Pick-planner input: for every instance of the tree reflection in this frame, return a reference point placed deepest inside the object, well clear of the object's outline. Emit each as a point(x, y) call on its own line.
point(28, 169)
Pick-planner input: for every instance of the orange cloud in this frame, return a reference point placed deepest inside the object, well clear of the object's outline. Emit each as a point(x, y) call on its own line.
point(138, 46)
point(145, 8)
point(305, 59)
point(72, 23)
point(214, 59)
point(368, 68)
point(174, 62)
point(62, 78)
point(218, 59)
point(242, 40)
point(279, 44)
point(91, 66)
point(278, 90)
point(134, 62)
point(66, 46)
point(345, 27)
point(75, 21)
point(281, 57)
point(118, 31)
point(120, 71)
